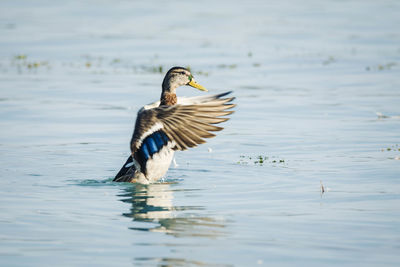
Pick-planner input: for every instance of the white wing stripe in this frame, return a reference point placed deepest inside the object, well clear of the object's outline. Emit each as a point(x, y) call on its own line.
point(153, 129)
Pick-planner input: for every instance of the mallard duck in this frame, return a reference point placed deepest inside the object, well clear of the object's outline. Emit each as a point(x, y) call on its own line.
point(171, 124)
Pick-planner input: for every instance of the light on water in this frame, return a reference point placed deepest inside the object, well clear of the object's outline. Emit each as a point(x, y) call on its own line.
point(306, 172)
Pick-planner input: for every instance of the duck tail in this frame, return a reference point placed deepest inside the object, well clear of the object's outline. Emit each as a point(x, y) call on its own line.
point(127, 171)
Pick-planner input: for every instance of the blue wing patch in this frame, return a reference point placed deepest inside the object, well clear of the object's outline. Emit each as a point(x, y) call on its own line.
point(159, 140)
point(152, 144)
point(144, 151)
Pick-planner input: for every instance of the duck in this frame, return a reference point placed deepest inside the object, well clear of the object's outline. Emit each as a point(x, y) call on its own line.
point(172, 124)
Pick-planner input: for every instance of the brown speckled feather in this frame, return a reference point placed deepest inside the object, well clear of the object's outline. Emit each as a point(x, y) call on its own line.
point(169, 99)
point(185, 124)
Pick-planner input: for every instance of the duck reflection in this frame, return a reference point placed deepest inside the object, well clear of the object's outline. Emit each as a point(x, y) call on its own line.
point(153, 204)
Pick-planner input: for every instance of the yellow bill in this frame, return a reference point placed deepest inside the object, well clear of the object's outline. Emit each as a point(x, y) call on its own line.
point(193, 83)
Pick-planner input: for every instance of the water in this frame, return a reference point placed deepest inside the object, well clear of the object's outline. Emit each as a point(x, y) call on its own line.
point(317, 87)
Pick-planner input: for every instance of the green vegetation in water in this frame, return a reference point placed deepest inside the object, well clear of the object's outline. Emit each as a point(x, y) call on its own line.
point(259, 160)
point(204, 73)
point(20, 57)
point(115, 61)
point(118, 65)
point(22, 64)
point(156, 69)
point(381, 67)
point(395, 147)
point(329, 60)
point(88, 63)
point(225, 66)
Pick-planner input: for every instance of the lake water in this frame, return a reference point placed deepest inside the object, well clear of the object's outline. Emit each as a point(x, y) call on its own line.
point(317, 88)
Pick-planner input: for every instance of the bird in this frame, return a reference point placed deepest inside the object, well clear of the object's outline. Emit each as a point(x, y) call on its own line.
point(172, 124)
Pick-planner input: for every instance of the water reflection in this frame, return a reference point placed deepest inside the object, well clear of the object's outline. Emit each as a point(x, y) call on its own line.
point(154, 204)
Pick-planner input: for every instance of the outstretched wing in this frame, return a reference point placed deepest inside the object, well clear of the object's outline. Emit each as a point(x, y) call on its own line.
point(180, 126)
point(185, 124)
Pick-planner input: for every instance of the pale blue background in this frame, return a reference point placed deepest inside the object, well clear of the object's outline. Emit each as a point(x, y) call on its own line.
point(317, 86)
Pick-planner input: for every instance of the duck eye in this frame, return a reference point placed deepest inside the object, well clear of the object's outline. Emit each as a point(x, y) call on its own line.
point(183, 73)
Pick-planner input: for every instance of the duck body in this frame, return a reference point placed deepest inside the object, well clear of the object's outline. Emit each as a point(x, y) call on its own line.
point(151, 161)
point(171, 124)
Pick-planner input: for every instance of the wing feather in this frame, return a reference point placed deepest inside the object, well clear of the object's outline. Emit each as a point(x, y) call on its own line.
point(187, 123)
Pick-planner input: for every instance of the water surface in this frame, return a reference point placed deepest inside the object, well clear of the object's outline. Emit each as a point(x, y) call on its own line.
point(317, 87)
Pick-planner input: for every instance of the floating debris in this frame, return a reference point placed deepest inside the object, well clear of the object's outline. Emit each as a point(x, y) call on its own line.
point(383, 116)
point(322, 188)
point(259, 160)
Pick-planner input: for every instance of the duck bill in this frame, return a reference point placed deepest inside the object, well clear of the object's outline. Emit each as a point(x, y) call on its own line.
point(192, 83)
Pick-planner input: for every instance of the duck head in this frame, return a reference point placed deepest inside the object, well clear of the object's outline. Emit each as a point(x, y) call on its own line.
point(179, 76)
